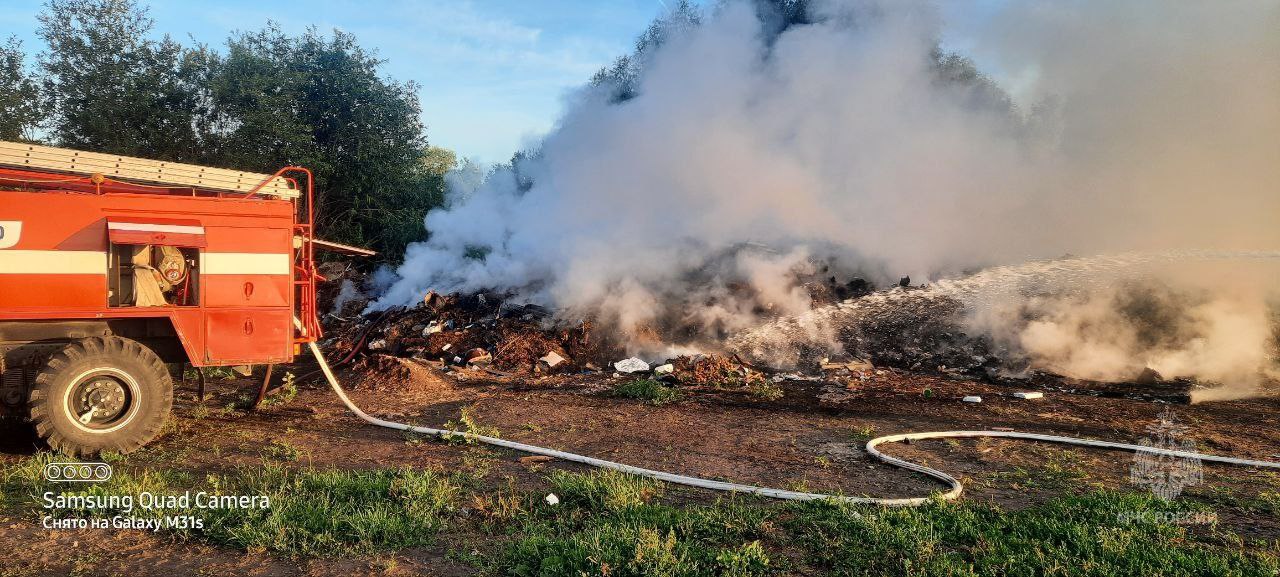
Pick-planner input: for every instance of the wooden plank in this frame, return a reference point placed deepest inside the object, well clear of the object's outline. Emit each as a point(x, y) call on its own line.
point(140, 170)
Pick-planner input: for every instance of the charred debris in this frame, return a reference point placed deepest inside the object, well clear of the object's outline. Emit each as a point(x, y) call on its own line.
point(489, 334)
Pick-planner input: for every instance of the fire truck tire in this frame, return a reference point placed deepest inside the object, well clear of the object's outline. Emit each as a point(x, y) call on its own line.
point(101, 394)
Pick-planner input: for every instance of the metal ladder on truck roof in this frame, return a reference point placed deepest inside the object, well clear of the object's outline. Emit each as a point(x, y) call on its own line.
point(47, 159)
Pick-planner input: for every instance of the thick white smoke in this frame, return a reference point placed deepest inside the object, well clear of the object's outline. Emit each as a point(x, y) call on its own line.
point(853, 138)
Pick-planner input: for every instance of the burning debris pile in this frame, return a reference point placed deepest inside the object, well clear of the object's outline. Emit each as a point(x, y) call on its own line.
point(1100, 323)
point(1015, 324)
point(489, 330)
point(476, 330)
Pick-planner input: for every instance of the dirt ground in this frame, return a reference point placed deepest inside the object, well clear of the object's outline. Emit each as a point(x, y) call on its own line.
point(811, 438)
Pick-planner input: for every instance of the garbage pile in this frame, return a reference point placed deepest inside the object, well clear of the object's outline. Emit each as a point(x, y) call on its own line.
point(905, 327)
point(473, 330)
point(496, 332)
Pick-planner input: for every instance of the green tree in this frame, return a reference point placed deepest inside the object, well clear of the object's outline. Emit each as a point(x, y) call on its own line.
point(20, 110)
point(318, 101)
point(621, 77)
point(439, 161)
point(268, 101)
point(111, 88)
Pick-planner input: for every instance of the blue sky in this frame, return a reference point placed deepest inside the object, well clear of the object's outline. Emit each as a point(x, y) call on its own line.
point(492, 73)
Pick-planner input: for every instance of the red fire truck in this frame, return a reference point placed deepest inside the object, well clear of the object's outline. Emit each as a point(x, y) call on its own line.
point(115, 272)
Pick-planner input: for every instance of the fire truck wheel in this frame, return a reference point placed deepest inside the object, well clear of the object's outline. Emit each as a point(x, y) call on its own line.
point(101, 394)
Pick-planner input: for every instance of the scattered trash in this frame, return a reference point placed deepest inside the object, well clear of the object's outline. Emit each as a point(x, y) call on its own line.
point(478, 357)
point(972, 399)
point(531, 459)
point(446, 347)
point(551, 359)
point(631, 365)
point(714, 370)
point(854, 366)
point(432, 328)
point(664, 369)
point(552, 499)
point(378, 344)
point(1031, 395)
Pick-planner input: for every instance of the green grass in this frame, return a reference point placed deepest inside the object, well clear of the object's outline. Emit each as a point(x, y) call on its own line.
point(765, 390)
point(467, 423)
point(312, 512)
point(609, 523)
point(328, 511)
point(282, 451)
point(287, 391)
point(1088, 535)
point(1057, 470)
point(648, 390)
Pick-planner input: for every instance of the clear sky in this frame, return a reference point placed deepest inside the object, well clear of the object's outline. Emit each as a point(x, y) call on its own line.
point(492, 72)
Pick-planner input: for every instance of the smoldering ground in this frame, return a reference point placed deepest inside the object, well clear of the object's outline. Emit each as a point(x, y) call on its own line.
point(852, 134)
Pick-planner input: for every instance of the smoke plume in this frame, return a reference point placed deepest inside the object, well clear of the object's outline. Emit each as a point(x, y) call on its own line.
point(679, 201)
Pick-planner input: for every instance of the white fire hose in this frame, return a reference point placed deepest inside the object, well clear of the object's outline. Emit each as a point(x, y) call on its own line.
point(954, 486)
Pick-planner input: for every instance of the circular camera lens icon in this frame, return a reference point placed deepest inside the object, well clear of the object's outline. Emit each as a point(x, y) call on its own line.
point(77, 472)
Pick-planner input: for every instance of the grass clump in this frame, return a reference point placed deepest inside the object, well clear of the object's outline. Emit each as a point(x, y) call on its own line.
point(765, 390)
point(1057, 471)
point(648, 390)
point(284, 395)
point(604, 490)
point(467, 423)
point(281, 451)
point(318, 513)
point(610, 523)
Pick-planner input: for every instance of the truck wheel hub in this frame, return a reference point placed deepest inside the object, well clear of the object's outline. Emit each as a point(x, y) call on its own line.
point(99, 401)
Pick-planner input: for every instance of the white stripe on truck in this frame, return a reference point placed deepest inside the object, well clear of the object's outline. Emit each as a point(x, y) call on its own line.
point(95, 262)
point(146, 227)
point(53, 262)
point(244, 263)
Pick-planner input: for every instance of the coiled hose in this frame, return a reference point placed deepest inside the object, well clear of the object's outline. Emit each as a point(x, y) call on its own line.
point(953, 491)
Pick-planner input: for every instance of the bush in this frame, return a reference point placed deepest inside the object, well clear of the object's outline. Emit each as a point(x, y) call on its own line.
point(646, 389)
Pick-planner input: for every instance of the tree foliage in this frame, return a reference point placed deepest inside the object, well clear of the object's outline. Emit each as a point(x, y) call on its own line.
point(268, 100)
point(318, 101)
point(111, 88)
point(20, 107)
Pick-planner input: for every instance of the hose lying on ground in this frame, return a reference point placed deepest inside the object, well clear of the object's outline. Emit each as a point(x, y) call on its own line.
point(954, 485)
